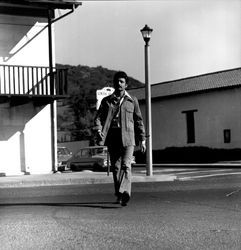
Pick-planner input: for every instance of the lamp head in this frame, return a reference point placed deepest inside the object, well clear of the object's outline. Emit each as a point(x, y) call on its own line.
point(146, 33)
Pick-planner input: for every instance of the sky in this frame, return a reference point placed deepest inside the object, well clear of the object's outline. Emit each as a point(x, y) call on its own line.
point(189, 38)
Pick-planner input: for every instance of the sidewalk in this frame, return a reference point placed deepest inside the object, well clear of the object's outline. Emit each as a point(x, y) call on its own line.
point(73, 178)
point(88, 177)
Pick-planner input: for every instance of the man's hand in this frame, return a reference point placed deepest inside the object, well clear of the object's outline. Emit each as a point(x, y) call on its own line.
point(143, 146)
point(100, 138)
point(100, 134)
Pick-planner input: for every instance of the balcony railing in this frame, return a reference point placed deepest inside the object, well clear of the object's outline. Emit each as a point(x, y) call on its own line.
point(32, 81)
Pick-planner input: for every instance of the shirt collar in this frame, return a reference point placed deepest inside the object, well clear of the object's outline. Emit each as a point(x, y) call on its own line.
point(126, 94)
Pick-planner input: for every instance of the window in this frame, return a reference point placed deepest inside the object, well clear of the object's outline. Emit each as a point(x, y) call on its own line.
point(86, 152)
point(227, 135)
point(190, 125)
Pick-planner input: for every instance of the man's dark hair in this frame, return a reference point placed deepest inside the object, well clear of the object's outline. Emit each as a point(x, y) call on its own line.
point(120, 74)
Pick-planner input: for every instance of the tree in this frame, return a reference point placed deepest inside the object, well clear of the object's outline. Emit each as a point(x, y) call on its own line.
point(78, 110)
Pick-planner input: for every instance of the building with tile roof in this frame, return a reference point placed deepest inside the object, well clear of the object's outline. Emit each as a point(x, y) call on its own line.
point(222, 79)
point(203, 110)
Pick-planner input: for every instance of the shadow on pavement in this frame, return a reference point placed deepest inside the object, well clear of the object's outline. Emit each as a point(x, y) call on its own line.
point(103, 205)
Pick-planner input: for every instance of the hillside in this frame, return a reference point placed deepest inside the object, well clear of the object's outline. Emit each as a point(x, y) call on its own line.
point(75, 114)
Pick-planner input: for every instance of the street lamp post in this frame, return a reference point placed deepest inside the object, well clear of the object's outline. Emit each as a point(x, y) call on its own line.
point(146, 33)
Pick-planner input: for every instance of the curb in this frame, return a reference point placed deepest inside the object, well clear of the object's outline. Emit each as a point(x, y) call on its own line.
point(86, 177)
point(72, 179)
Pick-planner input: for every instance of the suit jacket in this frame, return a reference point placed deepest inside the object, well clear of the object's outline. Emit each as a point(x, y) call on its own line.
point(131, 122)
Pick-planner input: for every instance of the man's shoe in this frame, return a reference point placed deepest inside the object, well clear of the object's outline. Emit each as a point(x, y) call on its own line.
point(125, 199)
point(118, 200)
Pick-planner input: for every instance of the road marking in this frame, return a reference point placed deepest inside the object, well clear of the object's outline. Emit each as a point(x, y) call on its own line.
point(235, 191)
point(191, 172)
point(168, 170)
point(205, 176)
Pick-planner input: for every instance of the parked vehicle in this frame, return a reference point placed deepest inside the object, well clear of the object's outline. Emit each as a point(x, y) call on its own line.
point(90, 158)
point(63, 155)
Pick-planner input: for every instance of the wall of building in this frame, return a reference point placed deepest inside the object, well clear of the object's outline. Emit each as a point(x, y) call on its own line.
point(25, 145)
point(18, 46)
point(216, 110)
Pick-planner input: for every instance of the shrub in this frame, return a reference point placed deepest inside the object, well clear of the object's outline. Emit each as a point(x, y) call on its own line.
point(190, 155)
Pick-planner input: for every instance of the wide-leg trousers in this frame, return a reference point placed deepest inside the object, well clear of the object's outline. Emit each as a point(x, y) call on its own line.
point(120, 158)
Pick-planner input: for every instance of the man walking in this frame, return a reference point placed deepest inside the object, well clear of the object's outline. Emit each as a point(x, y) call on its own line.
point(120, 126)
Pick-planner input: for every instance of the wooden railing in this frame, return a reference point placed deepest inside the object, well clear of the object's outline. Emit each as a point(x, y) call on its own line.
point(32, 80)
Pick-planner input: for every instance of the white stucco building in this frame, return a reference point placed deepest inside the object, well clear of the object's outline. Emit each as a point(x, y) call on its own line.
point(29, 85)
point(204, 110)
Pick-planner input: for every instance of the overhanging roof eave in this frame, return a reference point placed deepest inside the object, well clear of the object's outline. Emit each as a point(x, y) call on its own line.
point(56, 4)
point(42, 4)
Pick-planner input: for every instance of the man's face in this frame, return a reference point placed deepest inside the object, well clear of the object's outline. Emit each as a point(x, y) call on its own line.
point(120, 85)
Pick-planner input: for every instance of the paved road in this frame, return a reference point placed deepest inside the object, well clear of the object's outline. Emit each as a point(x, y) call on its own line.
point(199, 214)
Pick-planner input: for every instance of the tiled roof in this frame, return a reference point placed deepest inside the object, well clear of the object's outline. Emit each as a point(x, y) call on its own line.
point(211, 81)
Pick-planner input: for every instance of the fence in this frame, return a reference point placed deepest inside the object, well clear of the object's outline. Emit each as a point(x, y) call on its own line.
point(32, 80)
